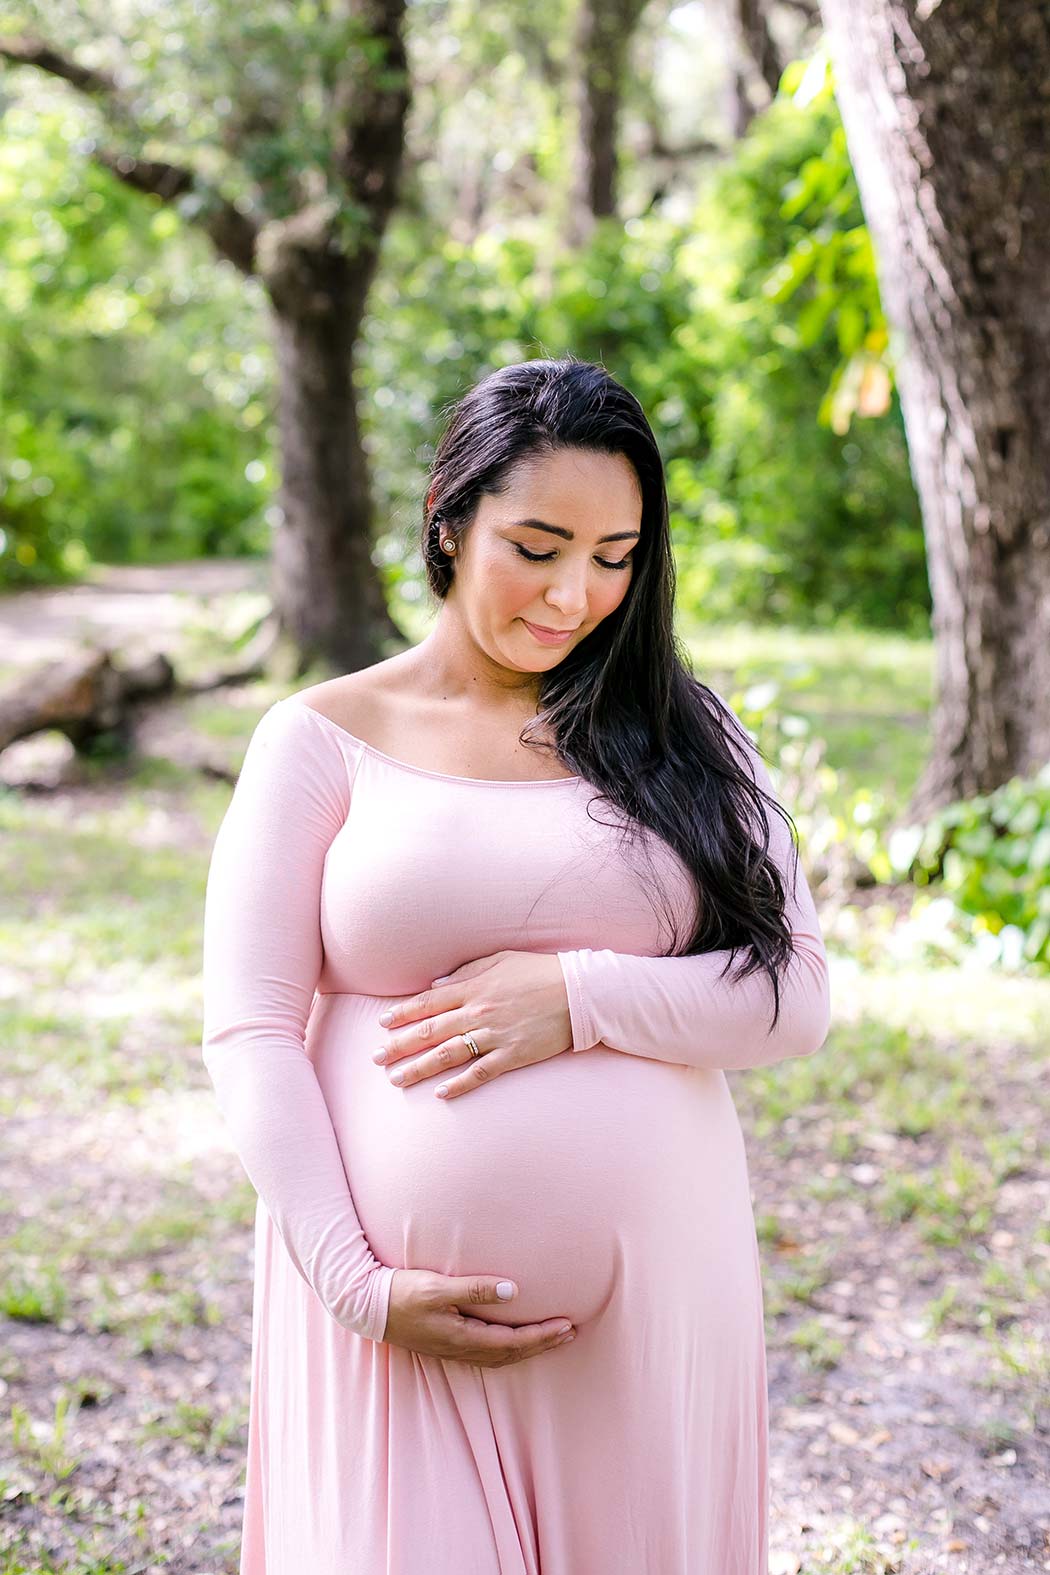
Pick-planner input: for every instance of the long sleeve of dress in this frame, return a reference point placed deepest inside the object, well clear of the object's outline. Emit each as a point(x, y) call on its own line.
point(680, 1009)
point(262, 958)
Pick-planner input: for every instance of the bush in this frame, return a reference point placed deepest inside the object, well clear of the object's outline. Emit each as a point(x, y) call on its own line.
point(990, 855)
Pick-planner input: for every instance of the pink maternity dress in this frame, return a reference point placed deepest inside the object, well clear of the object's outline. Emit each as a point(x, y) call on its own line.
point(609, 1182)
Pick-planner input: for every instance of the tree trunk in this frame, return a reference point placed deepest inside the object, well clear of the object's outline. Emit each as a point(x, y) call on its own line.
point(324, 582)
point(325, 585)
point(603, 38)
point(947, 118)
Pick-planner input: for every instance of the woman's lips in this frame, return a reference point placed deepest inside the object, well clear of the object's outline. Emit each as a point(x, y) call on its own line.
point(547, 636)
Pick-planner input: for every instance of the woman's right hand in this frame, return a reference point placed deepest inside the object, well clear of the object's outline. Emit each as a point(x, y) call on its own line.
point(425, 1315)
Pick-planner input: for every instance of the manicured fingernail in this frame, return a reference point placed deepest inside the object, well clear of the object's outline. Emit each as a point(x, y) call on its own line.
point(397, 1077)
point(442, 980)
point(386, 1018)
point(442, 1090)
point(565, 1338)
point(505, 1289)
point(379, 1056)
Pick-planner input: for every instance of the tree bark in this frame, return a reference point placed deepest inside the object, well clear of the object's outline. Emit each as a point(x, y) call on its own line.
point(604, 29)
point(947, 117)
point(324, 582)
point(753, 52)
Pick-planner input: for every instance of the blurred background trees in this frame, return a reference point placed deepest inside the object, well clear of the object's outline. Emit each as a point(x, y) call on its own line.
point(696, 282)
point(249, 254)
point(278, 134)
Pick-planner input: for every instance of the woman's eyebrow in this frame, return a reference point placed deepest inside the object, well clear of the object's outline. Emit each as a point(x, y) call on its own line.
point(568, 535)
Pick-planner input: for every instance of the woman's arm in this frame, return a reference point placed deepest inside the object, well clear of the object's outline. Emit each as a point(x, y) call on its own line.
point(679, 1009)
point(262, 960)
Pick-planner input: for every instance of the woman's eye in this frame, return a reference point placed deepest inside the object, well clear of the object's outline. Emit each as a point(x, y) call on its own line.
point(545, 557)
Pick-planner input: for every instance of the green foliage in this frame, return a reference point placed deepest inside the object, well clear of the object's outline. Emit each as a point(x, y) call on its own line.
point(142, 426)
point(244, 91)
point(801, 506)
point(752, 334)
point(831, 264)
point(134, 425)
point(443, 313)
point(990, 856)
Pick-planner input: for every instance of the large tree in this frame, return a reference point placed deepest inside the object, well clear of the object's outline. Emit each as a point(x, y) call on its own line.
point(947, 117)
point(280, 133)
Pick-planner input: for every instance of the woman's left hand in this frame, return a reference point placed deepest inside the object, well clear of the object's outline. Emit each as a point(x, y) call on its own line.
point(514, 1004)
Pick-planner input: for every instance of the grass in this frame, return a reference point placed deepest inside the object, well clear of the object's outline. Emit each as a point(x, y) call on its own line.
point(867, 695)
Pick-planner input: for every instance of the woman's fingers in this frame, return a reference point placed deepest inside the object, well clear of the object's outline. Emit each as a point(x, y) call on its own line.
point(453, 1054)
point(498, 1345)
point(482, 1069)
point(438, 998)
point(426, 1314)
point(421, 1038)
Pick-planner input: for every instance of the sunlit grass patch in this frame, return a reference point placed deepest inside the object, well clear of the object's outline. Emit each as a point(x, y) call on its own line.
point(59, 1060)
point(92, 890)
point(866, 694)
point(950, 1202)
point(33, 1291)
point(44, 1444)
point(821, 1349)
point(789, 1288)
point(144, 1278)
point(1022, 1355)
point(206, 1432)
point(872, 1072)
point(851, 1549)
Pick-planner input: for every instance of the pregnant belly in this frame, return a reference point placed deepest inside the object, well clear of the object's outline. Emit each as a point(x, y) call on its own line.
point(565, 1176)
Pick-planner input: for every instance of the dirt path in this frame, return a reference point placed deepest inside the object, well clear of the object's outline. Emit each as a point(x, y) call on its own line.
point(128, 608)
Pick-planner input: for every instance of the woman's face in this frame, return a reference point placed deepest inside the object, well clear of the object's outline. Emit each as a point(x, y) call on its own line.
point(554, 552)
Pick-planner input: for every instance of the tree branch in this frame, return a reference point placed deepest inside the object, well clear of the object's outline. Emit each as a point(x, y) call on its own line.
point(231, 232)
point(699, 146)
point(24, 50)
point(370, 104)
point(752, 26)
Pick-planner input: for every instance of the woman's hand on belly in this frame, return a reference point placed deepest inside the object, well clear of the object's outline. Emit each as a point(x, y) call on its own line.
point(513, 1004)
point(426, 1316)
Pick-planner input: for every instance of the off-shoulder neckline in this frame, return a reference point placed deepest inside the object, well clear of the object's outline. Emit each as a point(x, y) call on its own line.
point(422, 771)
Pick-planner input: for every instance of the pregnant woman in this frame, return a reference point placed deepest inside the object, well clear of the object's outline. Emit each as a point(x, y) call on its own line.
point(486, 924)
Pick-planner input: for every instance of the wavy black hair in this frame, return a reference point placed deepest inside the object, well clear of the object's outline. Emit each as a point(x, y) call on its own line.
point(624, 709)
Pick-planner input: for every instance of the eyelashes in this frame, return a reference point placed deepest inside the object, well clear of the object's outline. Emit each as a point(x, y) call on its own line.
point(545, 557)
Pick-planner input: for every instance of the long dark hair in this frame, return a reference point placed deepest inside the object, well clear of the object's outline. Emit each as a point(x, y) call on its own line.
point(623, 708)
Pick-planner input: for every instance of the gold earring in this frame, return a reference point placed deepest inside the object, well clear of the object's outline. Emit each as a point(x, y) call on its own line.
point(448, 544)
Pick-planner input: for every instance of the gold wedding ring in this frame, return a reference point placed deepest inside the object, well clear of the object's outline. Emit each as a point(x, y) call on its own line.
point(472, 1045)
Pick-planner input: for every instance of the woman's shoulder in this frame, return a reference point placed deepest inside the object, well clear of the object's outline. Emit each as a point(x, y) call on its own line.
point(357, 703)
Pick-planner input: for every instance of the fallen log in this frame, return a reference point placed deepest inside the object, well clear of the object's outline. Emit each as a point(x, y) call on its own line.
point(82, 696)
